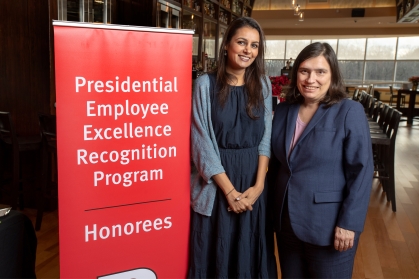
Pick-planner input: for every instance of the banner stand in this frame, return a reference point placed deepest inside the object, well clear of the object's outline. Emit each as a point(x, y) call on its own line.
point(123, 134)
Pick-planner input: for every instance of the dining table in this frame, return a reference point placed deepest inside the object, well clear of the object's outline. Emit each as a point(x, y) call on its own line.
point(411, 106)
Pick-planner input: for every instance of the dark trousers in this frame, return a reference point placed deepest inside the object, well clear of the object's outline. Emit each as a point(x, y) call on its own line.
point(299, 259)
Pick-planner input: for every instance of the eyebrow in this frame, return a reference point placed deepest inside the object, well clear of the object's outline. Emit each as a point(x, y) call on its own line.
point(319, 69)
point(241, 38)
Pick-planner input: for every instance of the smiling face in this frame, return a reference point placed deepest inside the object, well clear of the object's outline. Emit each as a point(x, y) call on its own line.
point(242, 49)
point(313, 79)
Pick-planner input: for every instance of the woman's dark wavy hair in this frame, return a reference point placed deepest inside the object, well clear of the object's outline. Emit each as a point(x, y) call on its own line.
point(336, 90)
point(253, 74)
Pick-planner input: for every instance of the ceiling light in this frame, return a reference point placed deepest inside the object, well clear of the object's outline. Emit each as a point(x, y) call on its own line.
point(297, 10)
point(301, 16)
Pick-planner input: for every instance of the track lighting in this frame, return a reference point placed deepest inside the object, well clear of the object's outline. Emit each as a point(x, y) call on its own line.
point(301, 16)
point(297, 10)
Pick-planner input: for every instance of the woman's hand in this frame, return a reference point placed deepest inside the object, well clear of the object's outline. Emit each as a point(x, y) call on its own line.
point(237, 204)
point(246, 199)
point(344, 239)
point(252, 194)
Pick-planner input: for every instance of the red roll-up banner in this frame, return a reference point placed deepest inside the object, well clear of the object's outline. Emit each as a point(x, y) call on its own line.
point(123, 122)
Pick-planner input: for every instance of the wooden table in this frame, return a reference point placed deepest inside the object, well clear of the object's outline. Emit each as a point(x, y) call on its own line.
point(411, 106)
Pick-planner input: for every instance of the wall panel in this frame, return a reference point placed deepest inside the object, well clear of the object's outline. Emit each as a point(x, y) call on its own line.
point(24, 67)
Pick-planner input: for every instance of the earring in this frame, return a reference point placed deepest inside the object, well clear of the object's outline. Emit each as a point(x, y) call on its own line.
point(225, 52)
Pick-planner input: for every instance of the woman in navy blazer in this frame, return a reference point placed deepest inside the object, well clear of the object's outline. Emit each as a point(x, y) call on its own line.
point(321, 170)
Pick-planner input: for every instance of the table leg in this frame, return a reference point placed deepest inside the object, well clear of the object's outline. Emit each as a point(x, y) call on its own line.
point(411, 108)
point(399, 95)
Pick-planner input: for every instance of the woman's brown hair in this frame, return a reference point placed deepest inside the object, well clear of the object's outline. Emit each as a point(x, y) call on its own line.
point(254, 74)
point(336, 90)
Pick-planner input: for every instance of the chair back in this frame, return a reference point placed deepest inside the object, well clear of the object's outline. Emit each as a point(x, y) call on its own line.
point(371, 106)
point(391, 90)
point(370, 88)
point(377, 111)
point(394, 126)
point(361, 95)
point(387, 119)
point(48, 124)
point(355, 97)
point(366, 101)
point(7, 131)
point(382, 115)
point(363, 98)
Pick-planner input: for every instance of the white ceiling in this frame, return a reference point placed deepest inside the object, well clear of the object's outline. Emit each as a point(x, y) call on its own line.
point(332, 19)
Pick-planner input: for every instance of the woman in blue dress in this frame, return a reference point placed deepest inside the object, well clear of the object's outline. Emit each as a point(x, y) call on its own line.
point(230, 133)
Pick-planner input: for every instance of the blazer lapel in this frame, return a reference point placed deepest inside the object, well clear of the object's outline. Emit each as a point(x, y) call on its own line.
point(321, 111)
point(291, 120)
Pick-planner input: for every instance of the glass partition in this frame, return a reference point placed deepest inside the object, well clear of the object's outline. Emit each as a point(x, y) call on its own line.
point(193, 22)
point(168, 15)
point(94, 11)
point(209, 38)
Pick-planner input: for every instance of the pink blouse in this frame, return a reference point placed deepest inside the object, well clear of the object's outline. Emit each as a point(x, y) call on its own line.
point(299, 129)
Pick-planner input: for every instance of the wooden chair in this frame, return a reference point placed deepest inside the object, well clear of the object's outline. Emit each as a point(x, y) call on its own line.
point(381, 125)
point(384, 145)
point(355, 96)
point(363, 98)
point(370, 89)
point(377, 110)
point(16, 144)
point(371, 107)
point(394, 96)
point(49, 188)
point(365, 101)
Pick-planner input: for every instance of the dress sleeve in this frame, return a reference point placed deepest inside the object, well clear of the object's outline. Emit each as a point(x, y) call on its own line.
point(265, 143)
point(205, 153)
point(358, 168)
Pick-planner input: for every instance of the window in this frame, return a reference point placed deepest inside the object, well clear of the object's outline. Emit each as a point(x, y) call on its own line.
point(408, 48)
point(379, 71)
point(273, 67)
point(406, 69)
point(294, 48)
point(332, 43)
point(351, 49)
point(381, 49)
point(275, 49)
point(385, 61)
point(352, 71)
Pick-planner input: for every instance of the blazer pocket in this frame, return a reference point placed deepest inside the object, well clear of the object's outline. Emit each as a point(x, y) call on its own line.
point(323, 197)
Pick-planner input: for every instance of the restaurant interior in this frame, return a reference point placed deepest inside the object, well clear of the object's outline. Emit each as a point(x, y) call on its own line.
point(377, 44)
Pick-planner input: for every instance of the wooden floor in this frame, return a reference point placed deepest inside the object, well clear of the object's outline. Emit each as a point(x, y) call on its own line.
point(389, 245)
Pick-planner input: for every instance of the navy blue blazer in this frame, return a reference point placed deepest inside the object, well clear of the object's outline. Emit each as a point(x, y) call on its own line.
point(329, 173)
